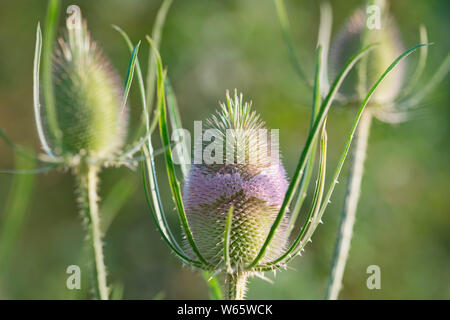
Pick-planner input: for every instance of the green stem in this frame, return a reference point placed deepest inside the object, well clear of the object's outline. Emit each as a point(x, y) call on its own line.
point(350, 205)
point(235, 286)
point(87, 184)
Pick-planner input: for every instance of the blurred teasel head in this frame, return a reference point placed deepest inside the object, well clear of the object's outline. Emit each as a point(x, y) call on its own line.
point(236, 207)
point(400, 92)
point(83, 122)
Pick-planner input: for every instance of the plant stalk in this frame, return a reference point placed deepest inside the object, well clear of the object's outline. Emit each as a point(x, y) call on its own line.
point(347, 222)
point(87, 184)
point(235, 286)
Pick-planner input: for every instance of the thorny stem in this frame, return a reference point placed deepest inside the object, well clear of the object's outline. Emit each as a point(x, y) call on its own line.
point(87, 183)
point(350, 204)
point(235, 286)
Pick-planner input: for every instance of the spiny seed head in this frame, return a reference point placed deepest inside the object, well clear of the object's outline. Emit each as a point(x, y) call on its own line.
point(88, 97)
point(255, 188)
point(355, 35)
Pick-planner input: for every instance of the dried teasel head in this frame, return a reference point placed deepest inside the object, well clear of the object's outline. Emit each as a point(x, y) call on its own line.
point(88, 98)
point(254, 185)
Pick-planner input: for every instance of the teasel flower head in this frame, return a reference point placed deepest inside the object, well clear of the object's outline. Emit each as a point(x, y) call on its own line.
point(399, 95)
point(253, 188)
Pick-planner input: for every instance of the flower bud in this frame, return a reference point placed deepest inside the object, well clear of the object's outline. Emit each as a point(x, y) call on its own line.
point(88, 95)
point(254, 185)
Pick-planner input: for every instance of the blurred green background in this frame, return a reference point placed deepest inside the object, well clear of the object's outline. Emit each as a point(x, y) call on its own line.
point(210, 46)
